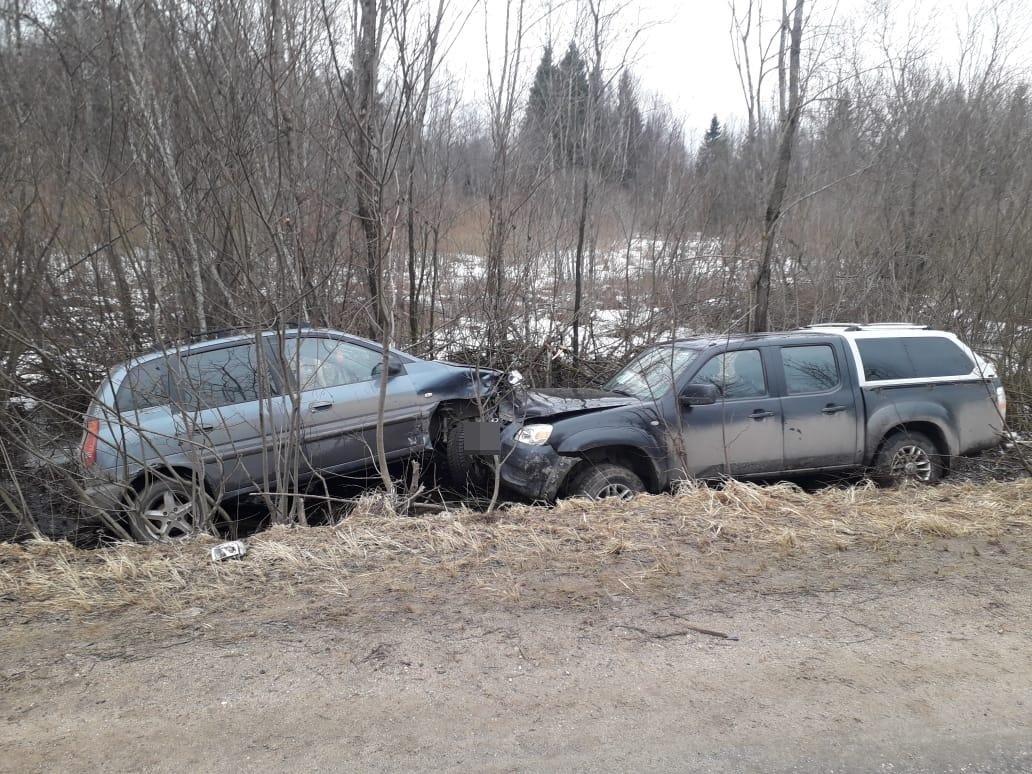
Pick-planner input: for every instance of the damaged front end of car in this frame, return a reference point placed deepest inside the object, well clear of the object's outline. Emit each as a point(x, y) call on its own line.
point(466, 408)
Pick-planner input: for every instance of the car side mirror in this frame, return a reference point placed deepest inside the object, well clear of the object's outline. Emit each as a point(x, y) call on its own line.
point(699, 395)
point(394, 367)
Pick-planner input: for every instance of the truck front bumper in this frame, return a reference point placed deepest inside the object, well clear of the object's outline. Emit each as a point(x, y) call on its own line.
point(534, 472)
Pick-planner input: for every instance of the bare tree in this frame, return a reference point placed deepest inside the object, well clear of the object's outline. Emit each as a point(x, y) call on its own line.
point(789, 128)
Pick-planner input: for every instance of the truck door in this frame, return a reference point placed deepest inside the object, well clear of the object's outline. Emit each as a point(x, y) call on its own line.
point(819, 408)
point(741, 433)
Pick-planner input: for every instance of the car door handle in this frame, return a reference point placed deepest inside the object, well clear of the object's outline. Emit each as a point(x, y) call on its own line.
point(761, 414)
point(320, 406)
point(192, 428)
point(832, 409)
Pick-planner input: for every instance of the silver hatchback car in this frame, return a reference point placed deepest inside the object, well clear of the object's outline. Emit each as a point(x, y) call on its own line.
point(175, 431)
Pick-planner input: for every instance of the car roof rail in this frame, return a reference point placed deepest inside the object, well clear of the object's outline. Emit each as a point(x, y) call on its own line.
point(196, 337)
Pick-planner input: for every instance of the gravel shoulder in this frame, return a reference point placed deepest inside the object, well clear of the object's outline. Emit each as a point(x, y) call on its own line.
point(904, 657)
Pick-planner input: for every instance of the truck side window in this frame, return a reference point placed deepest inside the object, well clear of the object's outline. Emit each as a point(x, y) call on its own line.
point(884, 359)
point(809, 369)
point(913, 357)
point(937, 356)
point(735, 374)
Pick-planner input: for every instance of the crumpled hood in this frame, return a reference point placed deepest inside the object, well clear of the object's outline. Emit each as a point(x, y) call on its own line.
point(546, 402)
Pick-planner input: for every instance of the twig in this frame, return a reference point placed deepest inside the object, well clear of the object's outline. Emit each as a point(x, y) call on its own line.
point(710, 632)
point(678, 633)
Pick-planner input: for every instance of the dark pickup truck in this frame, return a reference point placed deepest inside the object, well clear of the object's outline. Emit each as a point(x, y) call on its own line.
point(896, 400)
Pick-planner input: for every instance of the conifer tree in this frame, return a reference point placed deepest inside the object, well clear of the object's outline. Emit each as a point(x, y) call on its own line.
point(629, 129)
point(572, 104)
point(713, 134)
point(541, 118)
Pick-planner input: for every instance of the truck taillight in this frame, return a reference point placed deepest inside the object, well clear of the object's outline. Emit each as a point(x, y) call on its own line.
point(1001, 401)
point(89, 443)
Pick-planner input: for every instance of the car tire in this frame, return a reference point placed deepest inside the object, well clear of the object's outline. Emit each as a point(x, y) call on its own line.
point(466, 471)
point(908, 457)
point(605, 480)
point(167, 509)
point(317, 499)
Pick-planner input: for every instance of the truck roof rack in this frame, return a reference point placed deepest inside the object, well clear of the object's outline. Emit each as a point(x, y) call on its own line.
point(871, 326)
point(844, 325)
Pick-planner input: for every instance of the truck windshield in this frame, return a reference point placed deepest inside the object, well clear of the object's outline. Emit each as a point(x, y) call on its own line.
point(653, 372)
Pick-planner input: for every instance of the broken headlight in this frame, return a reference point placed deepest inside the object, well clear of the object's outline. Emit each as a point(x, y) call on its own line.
point(506, 411)
point(534, 435)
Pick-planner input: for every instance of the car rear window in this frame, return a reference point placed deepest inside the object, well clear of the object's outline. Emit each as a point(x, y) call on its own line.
point(220, 377)
point(916, 357)
point(144, 387)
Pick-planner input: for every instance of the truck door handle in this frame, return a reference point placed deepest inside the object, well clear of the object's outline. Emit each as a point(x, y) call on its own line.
point(320, 406)
point(761, 414)
point(832, 409)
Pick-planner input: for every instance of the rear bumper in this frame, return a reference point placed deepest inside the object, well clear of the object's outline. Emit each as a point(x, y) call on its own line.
point(104, 497)
point(535, 472)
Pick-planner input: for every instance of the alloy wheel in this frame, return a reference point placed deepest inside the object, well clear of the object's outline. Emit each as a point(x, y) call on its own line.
point(912, 463)
point(168, 516)
point(618, 491)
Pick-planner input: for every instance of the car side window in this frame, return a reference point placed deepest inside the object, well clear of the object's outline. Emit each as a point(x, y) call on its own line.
point(809, 369)
point(145, 386)
point(220, 377)
point(735, 374)
point(318, 363)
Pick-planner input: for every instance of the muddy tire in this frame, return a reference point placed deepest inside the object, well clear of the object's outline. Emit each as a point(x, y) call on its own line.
point(166, 509)
point(599, 482)
point(908, 457)
point(466, 471)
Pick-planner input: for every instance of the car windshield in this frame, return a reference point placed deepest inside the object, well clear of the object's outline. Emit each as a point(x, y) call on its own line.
point(653, 372)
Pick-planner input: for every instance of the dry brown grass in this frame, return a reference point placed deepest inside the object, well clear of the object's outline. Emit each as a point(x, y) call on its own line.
point(649, 536)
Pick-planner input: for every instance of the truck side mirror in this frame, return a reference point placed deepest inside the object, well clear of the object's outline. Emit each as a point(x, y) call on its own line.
point(699, 395)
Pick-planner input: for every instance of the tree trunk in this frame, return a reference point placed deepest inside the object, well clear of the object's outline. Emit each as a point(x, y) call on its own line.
point(789, 129)
point(366, 149)
point(578, 266)
point(413, 298)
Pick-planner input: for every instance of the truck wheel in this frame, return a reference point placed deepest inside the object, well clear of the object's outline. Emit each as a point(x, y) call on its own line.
point(167, 510)
point(908, 457)
point(466, 471)
point(603, 481)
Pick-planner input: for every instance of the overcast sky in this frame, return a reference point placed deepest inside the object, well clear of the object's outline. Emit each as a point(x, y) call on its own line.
point(683, 49)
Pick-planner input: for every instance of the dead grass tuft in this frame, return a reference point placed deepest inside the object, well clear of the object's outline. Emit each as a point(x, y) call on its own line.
point(375, 550)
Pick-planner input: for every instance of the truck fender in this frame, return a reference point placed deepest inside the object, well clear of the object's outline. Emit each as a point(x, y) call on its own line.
point(627, 437)
point(908, 412)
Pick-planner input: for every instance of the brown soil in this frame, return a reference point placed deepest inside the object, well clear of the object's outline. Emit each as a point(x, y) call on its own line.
point(911, 652)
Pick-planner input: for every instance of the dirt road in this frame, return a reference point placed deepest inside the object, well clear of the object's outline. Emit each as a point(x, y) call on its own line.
point(906, 658)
